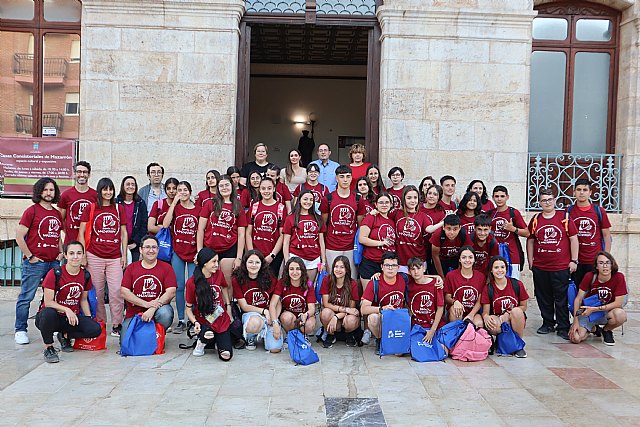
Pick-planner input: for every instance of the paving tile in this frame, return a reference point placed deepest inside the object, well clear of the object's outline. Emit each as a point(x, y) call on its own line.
point(583, 378)
point(583, 351)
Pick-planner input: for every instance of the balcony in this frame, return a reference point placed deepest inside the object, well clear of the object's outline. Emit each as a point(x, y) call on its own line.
point(24, 122)
point(560, 171)
point(55, 69)
point(321, 7)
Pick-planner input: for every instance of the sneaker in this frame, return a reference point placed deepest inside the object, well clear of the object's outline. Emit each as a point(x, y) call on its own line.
point(22, 337)
point(180, 327)
point(563, 334)
point(285, 344)
point(115, 331)
point(351, 340)
point(65, 343)
point(520, 354)
point(51, 355)
point(251, 343)
point(598, 331)
point(377, 346)
point(199, 349)
point(545, 329)
point(607, 337)
point(366, 337)
point(328, 342)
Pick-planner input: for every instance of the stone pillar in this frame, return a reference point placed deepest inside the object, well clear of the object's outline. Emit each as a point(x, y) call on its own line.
point(158, 83)
point(455, 90)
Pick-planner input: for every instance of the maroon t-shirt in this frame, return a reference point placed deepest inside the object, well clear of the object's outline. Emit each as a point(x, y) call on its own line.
point(449, 248)
point(435, 215)
point(105, 230)
point(305, 237)
point(450, 208)
point(503, 236)
point(251, 292)
point(69, 290)
point(505, 299)
point(319, 191)
point(147, 283)
point(589, 231)
point(607, 291)
point(355, 294)
point(381, 228)
point(245, 198)
point(551, 245)
point(159, 210)
point(43, 234)
point(184, 227)
point(396, 195)
point(294, 299)
point(467, 291)
point(343, 220)
point(217, 282)
point(424, 300)
point(466, 222)
point(411, 235)
point(221, 232)
point(483, 253)
point(203, 196)
point(486, 207)
point(282, 193)
point(387, 293)
point(74, 202)
point(266, 222)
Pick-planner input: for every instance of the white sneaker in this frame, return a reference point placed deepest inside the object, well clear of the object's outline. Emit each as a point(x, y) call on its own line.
point(199, 350)
point(22, 337)
point(366, 337)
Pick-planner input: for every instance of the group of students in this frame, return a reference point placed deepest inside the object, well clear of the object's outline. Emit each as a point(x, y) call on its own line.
point(258, 237)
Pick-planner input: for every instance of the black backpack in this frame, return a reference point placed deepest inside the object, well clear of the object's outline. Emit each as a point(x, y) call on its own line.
point(515, 284)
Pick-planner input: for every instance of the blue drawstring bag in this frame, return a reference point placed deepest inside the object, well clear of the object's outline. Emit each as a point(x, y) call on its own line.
point(504, 252)
point(319, 278)
point(572, 293)
point(358, 249)
point(396, 332)
point(451, 332)
point(300, 349)
point(140, 338)
point(92, 298)
point(423, 351)
point(165, 250)
point(594, 301)
point(508, 341)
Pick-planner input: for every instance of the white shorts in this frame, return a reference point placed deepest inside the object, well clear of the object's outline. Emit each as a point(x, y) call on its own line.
point(310, 265)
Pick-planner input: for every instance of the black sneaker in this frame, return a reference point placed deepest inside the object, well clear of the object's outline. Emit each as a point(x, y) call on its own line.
point(180, 327)
point(51, 355)
point(598, 331)
point(545, 329)
point(115, 331)
point(520, 354)
point(65, 343)
point(607, 337)
point(328, 342)
point(351, 340)
point(563, 334)
point(377, 346)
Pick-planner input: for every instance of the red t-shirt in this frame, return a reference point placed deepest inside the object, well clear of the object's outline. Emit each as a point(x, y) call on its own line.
point(282, 193)
point(424, 300)
point(43, 234)
point(387, 293)
point(251, 292)
point(381, 228)
point(503, 236)
point(245, 198)
point(221, 233)
point(74, 202)
point(607, 291)
point(551, 246)
point(266, 222)
point(505, 299)
point(203, 196)
point(396, 195)
point(450, 208)
point(319, 191)
point(467, 291)
point(305, 238)
point(184, 227)
point(294, 299)
point(70, 288)
point(368, 206)
point(435, 215)
point(105, 230)
point(343, 220)
point(159, 210)
point(411, 232)
point(466, 222)
point(588, 226)
point(355, 294)
point(147, 283)
point(449, 248)
point(357, 172)
point(486, 207)
point(483, 253)
point(217, 282)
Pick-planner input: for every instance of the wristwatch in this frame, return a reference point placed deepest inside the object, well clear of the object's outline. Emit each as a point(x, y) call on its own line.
point(575, 261)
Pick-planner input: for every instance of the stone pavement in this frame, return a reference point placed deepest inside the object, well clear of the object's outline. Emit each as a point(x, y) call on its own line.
point(558, 384)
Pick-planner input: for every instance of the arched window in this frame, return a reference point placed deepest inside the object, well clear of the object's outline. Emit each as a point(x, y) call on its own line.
point(40, 67)
point(573, 78)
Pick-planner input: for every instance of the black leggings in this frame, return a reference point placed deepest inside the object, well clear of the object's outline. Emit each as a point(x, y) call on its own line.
point(222, 340)
point(49, 321)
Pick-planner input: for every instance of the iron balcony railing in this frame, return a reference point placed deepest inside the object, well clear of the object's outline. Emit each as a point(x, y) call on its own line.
point(24, 122)
point(10, 262)
point(560, 171)
point(53, 67)
point(322, 7)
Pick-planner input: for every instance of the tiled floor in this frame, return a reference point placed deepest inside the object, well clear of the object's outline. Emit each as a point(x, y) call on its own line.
point(558, 384)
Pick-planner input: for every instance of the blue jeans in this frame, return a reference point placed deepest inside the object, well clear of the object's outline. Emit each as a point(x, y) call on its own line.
point(163, 315)
point(179, 268)
point(32, 275)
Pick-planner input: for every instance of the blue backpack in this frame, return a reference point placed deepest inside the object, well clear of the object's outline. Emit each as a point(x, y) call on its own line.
point(300, 349)
point(319, 278)
point(165, 250)
point(423, 351)
point(572, 293)
point(395, 332)
point(508, 341)
point(140, 338)
point(358, 249)
point(450, 333)
point(594, 301)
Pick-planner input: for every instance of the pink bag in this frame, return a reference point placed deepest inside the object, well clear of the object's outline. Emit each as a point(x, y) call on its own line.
point(473, 345)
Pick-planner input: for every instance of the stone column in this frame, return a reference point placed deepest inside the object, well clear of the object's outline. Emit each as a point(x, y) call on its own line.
point(158, 83)
point(455, 90)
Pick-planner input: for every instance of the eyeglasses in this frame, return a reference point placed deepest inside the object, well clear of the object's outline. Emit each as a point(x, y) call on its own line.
point(150, 248)
point(547, 201)
point(604, 263)
point(397, 175)
point(390, 266)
